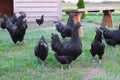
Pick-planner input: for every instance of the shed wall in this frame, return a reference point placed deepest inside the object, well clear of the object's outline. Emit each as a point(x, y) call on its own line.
point(6, 7)
point(51, 9)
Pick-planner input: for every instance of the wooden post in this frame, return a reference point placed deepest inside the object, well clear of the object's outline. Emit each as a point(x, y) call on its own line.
point(107, 19)
point(77, 17)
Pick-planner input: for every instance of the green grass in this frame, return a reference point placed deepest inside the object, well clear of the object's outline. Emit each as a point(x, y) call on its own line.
point(19, 63)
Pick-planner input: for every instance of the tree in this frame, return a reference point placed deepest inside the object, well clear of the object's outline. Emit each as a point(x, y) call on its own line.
point(81, 4)
point(63, 1)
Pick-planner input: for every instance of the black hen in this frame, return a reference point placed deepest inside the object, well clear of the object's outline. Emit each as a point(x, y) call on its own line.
point(3, 24)
point(66, 52)
point(65, 30)
point(41, 50)
point(97, 46)
point(112, 37)
point(14, 18)
point(40, 21)
point(17, 31)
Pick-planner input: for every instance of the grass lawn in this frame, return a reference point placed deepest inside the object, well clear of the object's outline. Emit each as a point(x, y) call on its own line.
point(19, 63)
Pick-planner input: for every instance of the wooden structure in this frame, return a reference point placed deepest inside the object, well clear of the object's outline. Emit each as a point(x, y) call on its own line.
point(6, 6)
point(107, 17)
point(33, 8)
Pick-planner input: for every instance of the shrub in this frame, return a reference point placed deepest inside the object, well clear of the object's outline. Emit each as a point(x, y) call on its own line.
point(81, 4)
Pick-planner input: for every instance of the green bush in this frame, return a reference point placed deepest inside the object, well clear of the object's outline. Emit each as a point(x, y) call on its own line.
point(81, 4)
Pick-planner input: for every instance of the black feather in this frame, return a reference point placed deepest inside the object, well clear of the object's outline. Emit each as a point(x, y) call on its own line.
point(41, 49)
point(65, 30)
point(66, 52)
point(18, 30)
point(40, 21)
point(97, 46)
point(112, 37)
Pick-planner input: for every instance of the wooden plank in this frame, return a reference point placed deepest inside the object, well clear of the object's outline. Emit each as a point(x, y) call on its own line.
point(104, 21)
point(54, 10)
point(93, 11)
point(39, 15)
point(35, 8)
point(33, 19)
point(88, 10)
point(110, 24)
point(107, 19)
point(35, 1)
point(37, 4)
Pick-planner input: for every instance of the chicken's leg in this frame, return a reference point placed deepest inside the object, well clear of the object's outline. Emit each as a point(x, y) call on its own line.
point(99, 62)
point(43, 64)
point(38, 59)
point(23, 42)
point(62, 67)
point(69, 66)
point(16, 45)
point(93, 59)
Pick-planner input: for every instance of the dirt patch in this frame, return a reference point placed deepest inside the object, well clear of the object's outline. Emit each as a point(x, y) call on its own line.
point(93, 71)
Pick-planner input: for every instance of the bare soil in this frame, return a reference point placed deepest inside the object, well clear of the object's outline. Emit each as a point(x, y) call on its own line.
point(93, 71)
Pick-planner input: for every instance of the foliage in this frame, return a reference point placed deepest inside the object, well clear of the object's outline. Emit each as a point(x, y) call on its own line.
point(81, 4)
